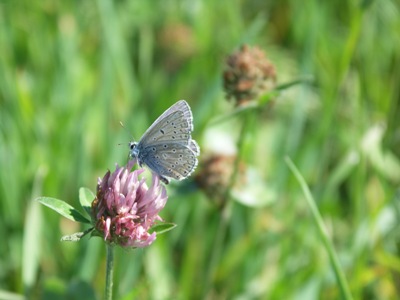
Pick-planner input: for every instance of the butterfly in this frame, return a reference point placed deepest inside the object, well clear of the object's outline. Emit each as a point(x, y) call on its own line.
point(167, 147)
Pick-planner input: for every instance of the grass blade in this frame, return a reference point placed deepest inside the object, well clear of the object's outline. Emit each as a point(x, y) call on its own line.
point(322, 232)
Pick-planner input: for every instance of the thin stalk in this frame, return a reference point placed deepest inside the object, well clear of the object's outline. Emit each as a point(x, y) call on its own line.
point(109, 272)
point(226, 208)
point(341, 279)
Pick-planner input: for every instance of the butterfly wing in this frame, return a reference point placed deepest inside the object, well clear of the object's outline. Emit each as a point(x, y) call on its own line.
point(175, 124)
point(170, 159)
point(167, 147)
point(194, 147)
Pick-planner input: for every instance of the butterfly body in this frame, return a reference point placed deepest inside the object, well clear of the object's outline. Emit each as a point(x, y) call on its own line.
point(167, 147)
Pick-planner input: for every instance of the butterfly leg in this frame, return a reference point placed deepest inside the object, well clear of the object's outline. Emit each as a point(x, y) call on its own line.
point(163, 179)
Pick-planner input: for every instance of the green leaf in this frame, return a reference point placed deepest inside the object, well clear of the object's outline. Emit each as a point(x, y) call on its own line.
point(162, 228)
point(86, 198)
point(63, 209)
point(75, 237)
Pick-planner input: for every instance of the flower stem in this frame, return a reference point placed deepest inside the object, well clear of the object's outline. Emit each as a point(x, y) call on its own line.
point(226, 207)
point(109, 272)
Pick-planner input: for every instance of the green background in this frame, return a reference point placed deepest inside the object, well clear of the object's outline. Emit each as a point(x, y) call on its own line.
point(70, 71)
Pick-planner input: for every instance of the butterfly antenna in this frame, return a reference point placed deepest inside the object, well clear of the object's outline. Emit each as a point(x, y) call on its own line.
point(123, 126)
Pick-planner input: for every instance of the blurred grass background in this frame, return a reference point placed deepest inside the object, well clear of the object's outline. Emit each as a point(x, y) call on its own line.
point(71, 70)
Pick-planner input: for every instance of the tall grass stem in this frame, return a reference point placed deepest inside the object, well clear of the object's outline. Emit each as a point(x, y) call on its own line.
point(340, 277)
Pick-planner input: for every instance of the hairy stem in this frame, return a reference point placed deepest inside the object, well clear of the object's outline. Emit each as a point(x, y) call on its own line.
point(109, 272)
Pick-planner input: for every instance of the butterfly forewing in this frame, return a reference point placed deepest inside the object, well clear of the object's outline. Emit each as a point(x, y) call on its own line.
point(175, 124)
point(173, 128)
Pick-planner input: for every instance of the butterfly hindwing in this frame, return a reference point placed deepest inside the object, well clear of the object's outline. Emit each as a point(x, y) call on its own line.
point(170, 159)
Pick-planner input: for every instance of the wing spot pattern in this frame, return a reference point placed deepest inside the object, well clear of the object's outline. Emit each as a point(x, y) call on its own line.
point(173, 154)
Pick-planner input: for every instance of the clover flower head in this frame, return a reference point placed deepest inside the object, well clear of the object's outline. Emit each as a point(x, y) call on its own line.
point(248, 74)
point(215, 173)
point(125, 208)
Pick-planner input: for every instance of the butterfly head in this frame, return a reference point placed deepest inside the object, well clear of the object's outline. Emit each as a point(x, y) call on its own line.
point(133, 150)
